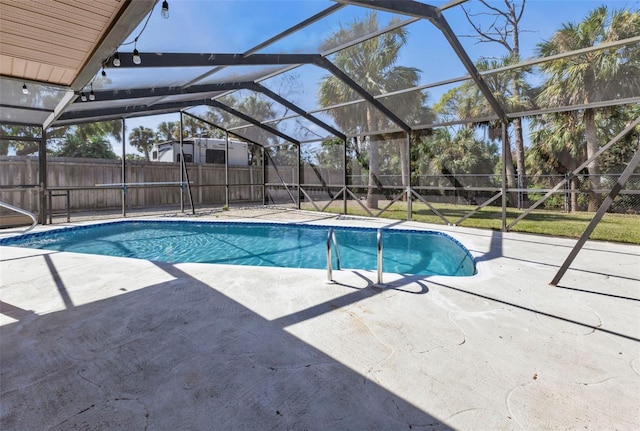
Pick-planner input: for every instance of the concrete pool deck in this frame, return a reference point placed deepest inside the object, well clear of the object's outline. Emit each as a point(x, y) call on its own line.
point(94, 342)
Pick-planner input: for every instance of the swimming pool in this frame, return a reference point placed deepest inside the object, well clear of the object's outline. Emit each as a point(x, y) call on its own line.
point(259, 244)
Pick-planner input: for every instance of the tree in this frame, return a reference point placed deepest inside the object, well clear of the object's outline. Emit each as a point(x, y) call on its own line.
point(558, 144)
point(556, 149)
point(504, 29)
point(191, 127)
point(99, 130)
point(372, 64)
point(593, 76)
point(256, 107)
point(168, 131)
point(142, 138)
point(616, 118)
point(73, 145)
point(457, 156)
point(22, 148)
point(468, 102)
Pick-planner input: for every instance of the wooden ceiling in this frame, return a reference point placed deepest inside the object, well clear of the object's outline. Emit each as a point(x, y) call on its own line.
point(52, 41)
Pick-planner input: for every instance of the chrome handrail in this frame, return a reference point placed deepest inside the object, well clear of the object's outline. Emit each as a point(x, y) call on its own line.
point(379, 249)
point(331, 238)
point(21, 211)
point(335, 244)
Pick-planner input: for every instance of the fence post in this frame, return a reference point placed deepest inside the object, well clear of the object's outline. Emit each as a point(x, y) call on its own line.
point(567, 194)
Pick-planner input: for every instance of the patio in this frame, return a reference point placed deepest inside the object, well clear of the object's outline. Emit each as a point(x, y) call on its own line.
point(147, 345)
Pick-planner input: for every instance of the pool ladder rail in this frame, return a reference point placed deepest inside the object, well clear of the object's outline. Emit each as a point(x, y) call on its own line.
point(331, 240)
point(21, 211)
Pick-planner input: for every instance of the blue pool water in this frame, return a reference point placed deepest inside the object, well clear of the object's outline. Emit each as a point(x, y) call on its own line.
point(259, 244)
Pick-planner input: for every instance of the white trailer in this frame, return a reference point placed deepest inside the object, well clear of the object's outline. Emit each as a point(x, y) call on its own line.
point(202, 150)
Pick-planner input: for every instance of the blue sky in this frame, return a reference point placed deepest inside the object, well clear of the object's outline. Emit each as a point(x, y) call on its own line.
point(201, 26)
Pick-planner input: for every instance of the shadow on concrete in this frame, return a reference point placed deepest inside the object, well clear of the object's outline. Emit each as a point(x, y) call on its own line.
point(496, 251)
point(182, 355)
point(58, 281)
point(598, 293)
point(542, 313)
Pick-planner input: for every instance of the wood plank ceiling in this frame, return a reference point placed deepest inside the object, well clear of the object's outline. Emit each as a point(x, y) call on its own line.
point(51, 40)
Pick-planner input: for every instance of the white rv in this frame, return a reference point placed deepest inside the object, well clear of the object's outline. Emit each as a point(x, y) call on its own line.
point(202, 150)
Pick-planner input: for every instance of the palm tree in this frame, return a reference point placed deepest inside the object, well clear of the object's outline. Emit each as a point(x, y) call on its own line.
point(142, 138)
point(460, 153)
point(168, 130)
point(556, 149)
point(372, 64)
point(75, 145)
point(594, 76)
point(255, 107)
point(511, 90)
point(192, 127)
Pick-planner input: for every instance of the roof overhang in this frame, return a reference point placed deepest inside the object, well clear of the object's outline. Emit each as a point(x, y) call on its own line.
point(56, 48)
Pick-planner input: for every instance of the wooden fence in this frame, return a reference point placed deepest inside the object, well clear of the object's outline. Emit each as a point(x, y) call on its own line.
point(85, 180)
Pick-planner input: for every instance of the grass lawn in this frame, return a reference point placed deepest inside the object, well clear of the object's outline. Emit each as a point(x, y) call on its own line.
point(613, 227)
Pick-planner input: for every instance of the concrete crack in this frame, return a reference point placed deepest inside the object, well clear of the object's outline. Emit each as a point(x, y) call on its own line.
point(79, 374)
point(392, 350)
point(464, 334)
point(633, 367)
point(596, 383)
point(508, 401)
point(510, 393)
point(464, 411)
point(600, 321)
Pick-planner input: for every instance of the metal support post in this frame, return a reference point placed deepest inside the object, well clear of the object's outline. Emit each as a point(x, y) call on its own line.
point(42, 180)
point(181, 165)
point(408, 190)
point(624, 177)
point(504, 177)
point(226, 169)
point(299, 174)
point(264, 176)
point(124, 169)
point(344, 177)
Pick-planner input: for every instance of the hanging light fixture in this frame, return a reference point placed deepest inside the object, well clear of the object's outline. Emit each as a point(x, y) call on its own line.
point(116, 60)
point(136, 57)
point(92, 95)
point(104, 73)
point(136, 54)
point(25, 90)
point(83, 97)
point(165, 9)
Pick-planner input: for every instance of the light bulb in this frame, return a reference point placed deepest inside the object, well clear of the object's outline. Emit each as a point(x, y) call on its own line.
point(165, 9)
point(83, 97)
point(116, 60)
point(136, 57)
point(25, 90)
point(92, 95)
